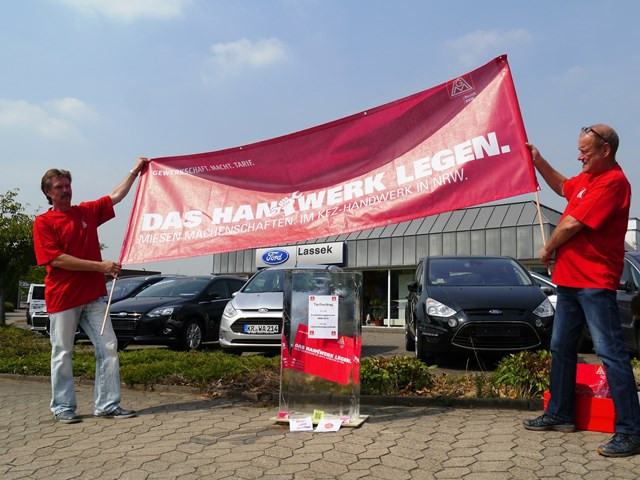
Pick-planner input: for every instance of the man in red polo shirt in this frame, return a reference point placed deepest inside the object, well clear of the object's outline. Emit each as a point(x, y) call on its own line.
point(66, 241)
point(589, 247)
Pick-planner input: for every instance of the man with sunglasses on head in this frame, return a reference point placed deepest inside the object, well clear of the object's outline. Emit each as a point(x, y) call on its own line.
point(589, 247)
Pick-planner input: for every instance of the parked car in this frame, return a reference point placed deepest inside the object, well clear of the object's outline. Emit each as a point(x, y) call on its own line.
point(546, 285)
point(628, 289)
point(39, 322)
point(130, 286)
point(475, 303)
point(35, 301)
point(252, 320)
point(181, 312)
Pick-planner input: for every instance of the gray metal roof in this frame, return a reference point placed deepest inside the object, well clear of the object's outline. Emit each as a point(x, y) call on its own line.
point(473, 218)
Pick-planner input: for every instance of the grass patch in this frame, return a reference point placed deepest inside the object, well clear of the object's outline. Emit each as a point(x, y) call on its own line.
point(28, 353)
point(523, 375)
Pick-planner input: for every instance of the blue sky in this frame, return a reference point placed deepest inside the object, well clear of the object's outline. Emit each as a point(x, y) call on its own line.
point(90, 85)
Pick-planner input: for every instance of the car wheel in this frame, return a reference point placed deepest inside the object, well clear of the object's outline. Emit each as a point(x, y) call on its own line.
point(409, 341)
point(191, 338)
point(421, 350)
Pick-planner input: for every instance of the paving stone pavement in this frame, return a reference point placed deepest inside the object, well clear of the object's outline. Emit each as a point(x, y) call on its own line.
point(186, 436)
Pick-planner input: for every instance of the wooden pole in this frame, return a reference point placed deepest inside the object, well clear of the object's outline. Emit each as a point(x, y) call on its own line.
point(544, 237)
point(106, 312)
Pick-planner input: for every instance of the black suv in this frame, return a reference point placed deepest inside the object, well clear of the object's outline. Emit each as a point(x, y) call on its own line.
point(475, 303)
point(181, 312)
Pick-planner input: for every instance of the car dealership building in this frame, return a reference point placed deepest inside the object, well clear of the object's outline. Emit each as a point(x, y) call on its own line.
point(387, 256)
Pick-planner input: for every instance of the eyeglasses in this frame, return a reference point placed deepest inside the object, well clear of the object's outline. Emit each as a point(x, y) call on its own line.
point(587, 130)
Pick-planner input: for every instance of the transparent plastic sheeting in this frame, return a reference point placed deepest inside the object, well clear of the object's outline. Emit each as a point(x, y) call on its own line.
point(321, 344)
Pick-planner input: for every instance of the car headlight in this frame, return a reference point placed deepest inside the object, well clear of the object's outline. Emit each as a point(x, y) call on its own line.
point(230, 311)
point(545, 309)
point(162, 312)
point(437, 309)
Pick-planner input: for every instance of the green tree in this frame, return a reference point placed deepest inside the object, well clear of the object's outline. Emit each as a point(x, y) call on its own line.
point(16, 245)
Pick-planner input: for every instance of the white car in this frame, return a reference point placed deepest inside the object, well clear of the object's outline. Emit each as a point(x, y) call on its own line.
point(35, 303)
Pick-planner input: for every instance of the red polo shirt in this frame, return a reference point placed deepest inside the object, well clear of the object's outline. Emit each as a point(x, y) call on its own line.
point(74, 232)
point(594, 257)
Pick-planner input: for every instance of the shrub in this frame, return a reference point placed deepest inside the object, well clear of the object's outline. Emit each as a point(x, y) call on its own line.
point(9, 307)
point(524, 374)
point(393, 375)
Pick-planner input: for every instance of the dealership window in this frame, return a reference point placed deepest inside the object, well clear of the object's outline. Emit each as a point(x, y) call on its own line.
point(493, 241)
point(508, 242)
point(435, 244)
point(449, 243)
point(463, 243)
point(478, 245)
point(375, 295)
point(385, 296)
point(525, 242)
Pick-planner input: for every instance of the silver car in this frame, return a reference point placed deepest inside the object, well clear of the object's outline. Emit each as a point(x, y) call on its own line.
point(252, 320)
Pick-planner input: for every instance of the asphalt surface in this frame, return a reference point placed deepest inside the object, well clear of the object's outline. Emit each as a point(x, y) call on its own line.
point(182, 435)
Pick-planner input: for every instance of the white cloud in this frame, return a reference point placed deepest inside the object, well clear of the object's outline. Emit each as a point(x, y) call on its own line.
point(72, 108)
point(130, 10)
point(54, 119)
point(482, 45)
point(230, 58)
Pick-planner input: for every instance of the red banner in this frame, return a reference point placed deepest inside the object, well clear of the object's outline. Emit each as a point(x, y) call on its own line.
point(459, 144)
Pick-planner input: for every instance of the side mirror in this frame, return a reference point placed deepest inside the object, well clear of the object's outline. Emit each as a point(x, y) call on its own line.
point(625, 286)
point(547, 290)
point(412, 286)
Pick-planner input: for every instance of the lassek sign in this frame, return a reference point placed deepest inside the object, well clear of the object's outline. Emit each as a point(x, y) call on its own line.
point(302, 255)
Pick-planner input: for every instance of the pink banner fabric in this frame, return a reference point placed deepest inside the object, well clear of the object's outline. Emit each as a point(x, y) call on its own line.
point(458, 144)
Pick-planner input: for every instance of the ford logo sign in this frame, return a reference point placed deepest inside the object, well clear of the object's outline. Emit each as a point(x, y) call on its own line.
point(275, 257)
point(495, 312)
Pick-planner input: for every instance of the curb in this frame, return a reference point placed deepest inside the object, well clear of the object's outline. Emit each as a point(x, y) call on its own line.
point(272, 398)
point(527, 404)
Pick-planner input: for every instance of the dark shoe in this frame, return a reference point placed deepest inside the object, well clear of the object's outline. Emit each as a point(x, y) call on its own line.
point(545, 422)
point(67, 417)
point(117, 413)
point(620, 445)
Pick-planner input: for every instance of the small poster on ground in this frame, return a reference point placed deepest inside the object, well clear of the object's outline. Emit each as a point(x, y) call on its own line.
point(300, 424)
point(329, 425)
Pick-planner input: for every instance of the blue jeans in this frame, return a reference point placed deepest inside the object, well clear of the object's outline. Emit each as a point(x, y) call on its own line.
point(599, 309)
point(63, 327)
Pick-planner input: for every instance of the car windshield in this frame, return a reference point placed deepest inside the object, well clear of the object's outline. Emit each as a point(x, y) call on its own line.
point(265, 281)
point(476, 272)
point(181, 287)
point(124, 286)
point(38, 293)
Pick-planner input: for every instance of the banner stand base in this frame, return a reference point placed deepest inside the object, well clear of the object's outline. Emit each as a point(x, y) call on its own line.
point(353, 424)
